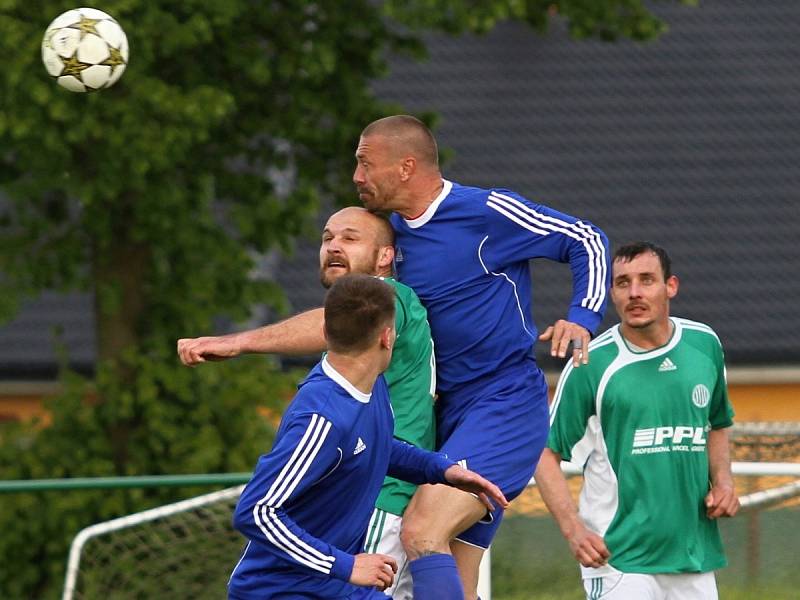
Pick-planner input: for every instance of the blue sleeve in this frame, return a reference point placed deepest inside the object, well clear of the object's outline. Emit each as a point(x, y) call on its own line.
point(519, 230)
point(416, 465)
point(305, 451)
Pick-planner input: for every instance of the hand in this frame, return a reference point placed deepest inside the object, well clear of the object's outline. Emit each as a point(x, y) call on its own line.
point(721, 501)
point(588, 547)
point(193, 351)
point(373, 570)
point(470, 481)
point(564, 332)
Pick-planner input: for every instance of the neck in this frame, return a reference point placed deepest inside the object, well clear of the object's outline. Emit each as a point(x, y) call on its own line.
point(359, 369)
point(422, 198)
point(649, 337)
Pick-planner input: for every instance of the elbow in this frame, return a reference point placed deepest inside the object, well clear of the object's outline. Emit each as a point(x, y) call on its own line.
point(242, 517)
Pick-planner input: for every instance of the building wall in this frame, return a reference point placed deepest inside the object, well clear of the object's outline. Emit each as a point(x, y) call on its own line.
point(691, 141)
point(752, 402)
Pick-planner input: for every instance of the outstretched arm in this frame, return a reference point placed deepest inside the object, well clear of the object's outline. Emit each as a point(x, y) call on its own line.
point(419, 466)
point(300, 334)
point(588, 547)
point(721, 500)
point(469, 481)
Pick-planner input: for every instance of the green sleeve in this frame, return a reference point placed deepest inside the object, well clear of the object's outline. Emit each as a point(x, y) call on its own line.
point(400, 316)
point(573, 405)
point(721, 414)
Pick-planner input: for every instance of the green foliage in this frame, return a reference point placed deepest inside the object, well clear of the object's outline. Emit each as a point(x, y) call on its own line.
point(168, 421)
point(232, 120)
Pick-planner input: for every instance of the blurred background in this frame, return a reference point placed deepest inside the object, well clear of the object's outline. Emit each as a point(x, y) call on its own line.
point(187, 200)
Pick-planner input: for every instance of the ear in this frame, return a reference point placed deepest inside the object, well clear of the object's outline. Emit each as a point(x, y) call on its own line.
point(387, 338)
point(407, 168)
point(385, 257)
point(672, 286)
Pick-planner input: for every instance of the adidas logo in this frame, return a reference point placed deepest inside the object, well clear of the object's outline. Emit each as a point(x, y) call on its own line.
point(398, 255)
point(360, 447)
point(667, 365)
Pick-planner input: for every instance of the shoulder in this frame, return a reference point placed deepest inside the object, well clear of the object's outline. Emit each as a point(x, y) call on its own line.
point(695, 330)
point(605, 347)
point(321, 396)
point(602, 352)
point(403, 293)
point(471, 199)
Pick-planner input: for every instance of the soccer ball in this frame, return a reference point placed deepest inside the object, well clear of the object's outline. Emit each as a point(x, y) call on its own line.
point(85, 49)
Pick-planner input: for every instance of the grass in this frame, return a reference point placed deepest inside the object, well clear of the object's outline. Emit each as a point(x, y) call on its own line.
point(531, 561)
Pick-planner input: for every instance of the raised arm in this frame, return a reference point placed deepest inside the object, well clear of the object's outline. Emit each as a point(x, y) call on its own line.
point(298, 335)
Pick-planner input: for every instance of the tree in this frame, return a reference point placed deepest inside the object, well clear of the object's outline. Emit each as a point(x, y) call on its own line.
point(232, 121)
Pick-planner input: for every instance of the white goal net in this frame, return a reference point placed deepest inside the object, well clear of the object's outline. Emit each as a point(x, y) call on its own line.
point(187, 549)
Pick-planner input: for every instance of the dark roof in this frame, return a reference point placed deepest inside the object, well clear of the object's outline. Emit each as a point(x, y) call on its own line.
point(692, 141)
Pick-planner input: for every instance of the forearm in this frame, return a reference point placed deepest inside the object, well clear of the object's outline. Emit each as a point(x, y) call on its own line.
point(555, 493)
point(719, 458)
point(300, 334)
point(416, 465)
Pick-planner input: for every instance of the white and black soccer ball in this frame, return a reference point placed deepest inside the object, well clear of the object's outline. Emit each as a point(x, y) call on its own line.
point(85, 49)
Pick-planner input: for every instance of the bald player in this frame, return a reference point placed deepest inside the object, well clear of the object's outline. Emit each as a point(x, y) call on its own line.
point(356, 241)
point(465, 251)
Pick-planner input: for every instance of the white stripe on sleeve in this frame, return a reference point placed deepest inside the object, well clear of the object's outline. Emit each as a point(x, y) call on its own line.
point(529, 218)
point(291, 475)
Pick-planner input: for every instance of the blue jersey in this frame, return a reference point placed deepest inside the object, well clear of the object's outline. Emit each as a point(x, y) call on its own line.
point(306, 509)
point(467, 257)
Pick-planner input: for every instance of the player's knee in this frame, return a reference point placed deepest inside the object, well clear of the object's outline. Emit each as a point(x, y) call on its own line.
point(408, 538)
point(418, 539)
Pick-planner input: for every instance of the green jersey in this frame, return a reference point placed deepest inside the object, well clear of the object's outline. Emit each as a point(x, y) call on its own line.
point(637, 422)
point(411, 378)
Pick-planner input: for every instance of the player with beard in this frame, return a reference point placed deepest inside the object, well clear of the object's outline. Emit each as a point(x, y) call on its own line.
point(357, 241)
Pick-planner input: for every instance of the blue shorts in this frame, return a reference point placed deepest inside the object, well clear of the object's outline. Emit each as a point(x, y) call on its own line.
point(497, 426)
point(358, 593)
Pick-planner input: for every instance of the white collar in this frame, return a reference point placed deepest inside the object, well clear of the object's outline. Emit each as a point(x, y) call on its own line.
point(431, 210)
point(328, 369)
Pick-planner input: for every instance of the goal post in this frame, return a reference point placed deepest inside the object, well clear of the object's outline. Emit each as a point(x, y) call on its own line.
point(153, 553)
point(188, 548)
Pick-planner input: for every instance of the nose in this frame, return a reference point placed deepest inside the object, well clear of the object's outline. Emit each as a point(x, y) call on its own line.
point(634, 290)
point(358, 175)
point(333, 246)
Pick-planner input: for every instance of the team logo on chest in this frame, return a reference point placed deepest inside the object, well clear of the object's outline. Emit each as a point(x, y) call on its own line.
point(700, 396)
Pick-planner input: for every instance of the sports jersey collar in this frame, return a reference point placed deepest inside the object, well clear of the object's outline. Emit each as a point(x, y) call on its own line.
point(635, 351)
point(431, 210)
point(339, 378)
